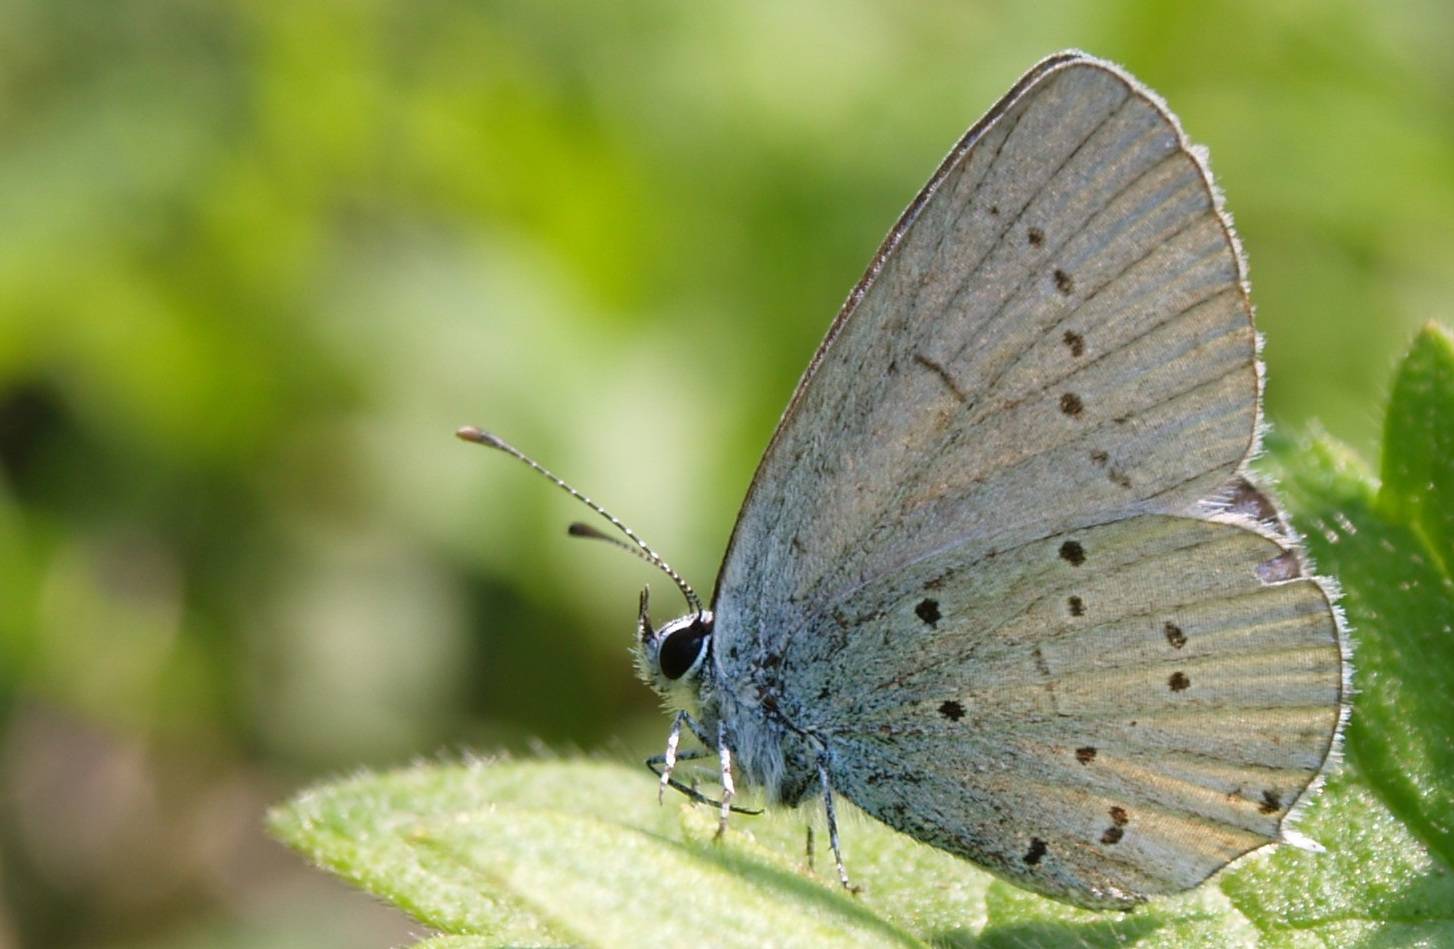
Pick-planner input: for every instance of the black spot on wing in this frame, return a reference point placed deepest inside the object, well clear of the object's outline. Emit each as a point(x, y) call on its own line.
point(1035, 236)
point(928, 611)
point(1174, 635)
point(1100, 458)
point(1076, 606)
point(1271, 802)
point(1036, 851)
point(1075, 342)
point(1064, 283)
point(951, 710)
point(1071, 404)
point(1179, 682)
point(1072, 553)
point(1119, 819)
point(1085, 755)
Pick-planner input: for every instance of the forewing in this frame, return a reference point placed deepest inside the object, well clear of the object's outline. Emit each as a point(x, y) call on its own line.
point(1055, 335)
point(1102, 715)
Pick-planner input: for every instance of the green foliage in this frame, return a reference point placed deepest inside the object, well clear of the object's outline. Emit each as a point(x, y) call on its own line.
point(501, 851)
point(1389, 546)
point(1418, 459)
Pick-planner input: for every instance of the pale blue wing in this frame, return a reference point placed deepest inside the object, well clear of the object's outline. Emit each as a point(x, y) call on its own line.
point(1102, 715)
point(1039, 401)
point(1057, 334)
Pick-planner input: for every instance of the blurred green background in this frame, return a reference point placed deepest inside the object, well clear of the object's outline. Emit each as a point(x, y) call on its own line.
point(257, 261)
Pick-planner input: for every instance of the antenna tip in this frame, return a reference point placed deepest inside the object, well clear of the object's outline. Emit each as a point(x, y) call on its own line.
point(471, 434)
point(577, 529)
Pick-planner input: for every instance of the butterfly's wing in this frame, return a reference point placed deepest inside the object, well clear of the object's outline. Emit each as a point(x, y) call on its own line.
point(1056, 338)
point(1056, 333)
point(1099, 715)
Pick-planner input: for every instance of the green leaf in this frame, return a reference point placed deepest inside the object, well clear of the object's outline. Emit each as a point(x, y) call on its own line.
point(493, 851)
point(564, 851)
point(579, 852)
point(1400, 606)
point(1376, 880)
point(1418, 445)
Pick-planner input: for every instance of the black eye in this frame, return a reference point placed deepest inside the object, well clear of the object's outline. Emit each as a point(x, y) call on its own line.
point(681, 648)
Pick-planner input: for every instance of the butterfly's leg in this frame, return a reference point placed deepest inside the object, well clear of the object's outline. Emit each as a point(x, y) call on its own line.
point(665, 762)
point(669, 760)
point(808, 848)
point(728, 790)
point(673, 740)
point(833, 826)
point(656, 763)
point(696, 728)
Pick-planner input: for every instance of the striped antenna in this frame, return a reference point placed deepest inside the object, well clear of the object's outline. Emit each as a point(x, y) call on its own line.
point(471, 434)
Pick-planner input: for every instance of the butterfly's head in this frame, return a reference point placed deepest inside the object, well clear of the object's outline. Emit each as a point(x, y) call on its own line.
point(673, 658)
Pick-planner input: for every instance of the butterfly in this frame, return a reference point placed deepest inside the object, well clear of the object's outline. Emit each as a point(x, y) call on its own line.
point(1001, 578)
